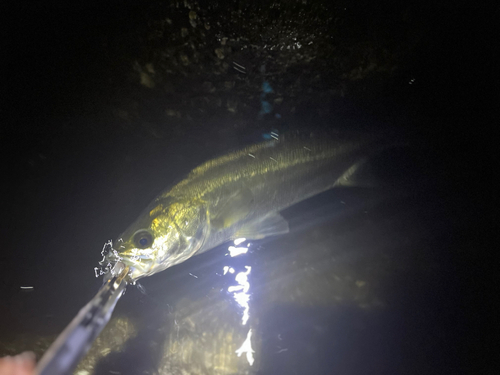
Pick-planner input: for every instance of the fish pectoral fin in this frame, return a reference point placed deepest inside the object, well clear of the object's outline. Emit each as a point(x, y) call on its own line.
point(270, 225)
point(233, 209)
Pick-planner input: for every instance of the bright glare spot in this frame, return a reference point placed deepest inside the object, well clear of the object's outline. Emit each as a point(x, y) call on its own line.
point(246, 347)
point(240, 291)
point(242, 278)
point(239, 240)
point(234, 251)
point(242, 299)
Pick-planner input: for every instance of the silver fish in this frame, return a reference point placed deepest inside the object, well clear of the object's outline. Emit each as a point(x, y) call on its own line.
point(236, 195)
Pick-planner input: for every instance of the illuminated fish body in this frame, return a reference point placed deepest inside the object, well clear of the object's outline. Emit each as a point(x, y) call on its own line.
point(236, 195)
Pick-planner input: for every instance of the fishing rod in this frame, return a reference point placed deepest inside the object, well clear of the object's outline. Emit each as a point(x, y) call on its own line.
point(74, 342)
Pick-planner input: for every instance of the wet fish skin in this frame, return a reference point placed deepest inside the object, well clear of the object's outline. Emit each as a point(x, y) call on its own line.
point(236, 195)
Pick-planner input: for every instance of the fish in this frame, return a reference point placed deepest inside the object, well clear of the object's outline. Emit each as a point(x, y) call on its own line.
point(238, 195)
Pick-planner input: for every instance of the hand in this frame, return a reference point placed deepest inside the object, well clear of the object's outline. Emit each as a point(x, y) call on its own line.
point(22, 364)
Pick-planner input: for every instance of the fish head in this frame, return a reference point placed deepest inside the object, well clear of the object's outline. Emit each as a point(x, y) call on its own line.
point(167, 233)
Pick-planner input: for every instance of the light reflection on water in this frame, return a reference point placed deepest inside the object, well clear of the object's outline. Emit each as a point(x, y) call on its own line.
point(241, 295)
point(246, 347)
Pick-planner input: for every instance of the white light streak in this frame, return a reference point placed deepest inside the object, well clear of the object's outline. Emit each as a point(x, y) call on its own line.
point(239, 68)
point(238, 65)
point(246, 347)
point(27, 287)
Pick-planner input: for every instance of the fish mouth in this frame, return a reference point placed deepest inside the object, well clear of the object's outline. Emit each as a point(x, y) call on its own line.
point(113, 270)
point(138, 269)
point(140, 262)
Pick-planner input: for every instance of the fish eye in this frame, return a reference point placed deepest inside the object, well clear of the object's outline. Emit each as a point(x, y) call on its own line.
point(143, 239)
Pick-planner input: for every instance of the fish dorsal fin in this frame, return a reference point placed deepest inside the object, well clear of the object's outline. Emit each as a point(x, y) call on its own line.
point(352, 176)
point(270, 225)
point(233, 209)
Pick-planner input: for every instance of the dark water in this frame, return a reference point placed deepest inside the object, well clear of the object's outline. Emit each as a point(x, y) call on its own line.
point(104, 106)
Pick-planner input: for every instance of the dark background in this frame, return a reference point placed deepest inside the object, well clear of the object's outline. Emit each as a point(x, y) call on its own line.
point(85, 146)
